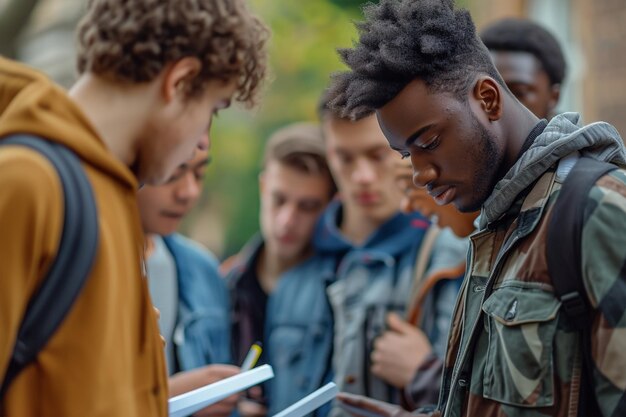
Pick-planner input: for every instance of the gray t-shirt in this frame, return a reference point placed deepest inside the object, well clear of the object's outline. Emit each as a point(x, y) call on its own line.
point(163, 284)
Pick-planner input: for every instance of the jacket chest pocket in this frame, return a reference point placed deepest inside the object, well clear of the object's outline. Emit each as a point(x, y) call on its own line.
point(299, 354)
point(286, 345)
point(519, 369)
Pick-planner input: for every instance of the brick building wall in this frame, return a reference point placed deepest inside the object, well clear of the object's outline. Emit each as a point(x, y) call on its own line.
point(600, 26)
point(597, 52)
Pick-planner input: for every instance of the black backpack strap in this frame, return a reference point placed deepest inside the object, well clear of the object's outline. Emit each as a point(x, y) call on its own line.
point(564, 260)
point(564, 256)
point(55, 296)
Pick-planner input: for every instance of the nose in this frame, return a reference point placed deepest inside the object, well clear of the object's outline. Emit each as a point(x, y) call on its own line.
point(423, 172)
point(188, 188)
point(364, 172)
point(287, 216)
point(205, 142)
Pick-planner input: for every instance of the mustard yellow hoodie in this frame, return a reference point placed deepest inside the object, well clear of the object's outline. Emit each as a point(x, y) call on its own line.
point(106, 358)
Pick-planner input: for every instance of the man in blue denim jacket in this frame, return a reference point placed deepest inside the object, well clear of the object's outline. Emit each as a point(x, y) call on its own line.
point(370, 252)
point(186, 287)
point(278, 297)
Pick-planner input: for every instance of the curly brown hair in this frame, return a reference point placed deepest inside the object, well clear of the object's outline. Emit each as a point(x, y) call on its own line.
point(133, 40)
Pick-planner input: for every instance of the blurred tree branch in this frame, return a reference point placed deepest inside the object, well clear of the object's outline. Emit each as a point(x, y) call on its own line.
point(13, 18)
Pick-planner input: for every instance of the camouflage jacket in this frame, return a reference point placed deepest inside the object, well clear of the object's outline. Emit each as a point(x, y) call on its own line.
point(511, 353)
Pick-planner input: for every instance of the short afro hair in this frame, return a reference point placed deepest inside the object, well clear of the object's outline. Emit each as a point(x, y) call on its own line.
point(403, 40)
point(522, 35)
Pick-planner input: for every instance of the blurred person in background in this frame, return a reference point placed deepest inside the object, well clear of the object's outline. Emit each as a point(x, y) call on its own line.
point(186, 287)
point(277, 295)
point(370, 251)
point(150, 82)
point(530, 60)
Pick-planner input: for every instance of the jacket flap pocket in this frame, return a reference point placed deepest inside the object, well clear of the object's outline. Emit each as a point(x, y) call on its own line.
point(513, 306)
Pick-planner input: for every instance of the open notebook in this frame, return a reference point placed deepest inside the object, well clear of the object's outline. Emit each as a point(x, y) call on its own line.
point(192, 401)
point(311, 402)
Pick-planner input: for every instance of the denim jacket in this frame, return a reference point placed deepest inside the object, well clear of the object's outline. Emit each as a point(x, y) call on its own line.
point(202, 334)
point(369, 281)
point(298, 330)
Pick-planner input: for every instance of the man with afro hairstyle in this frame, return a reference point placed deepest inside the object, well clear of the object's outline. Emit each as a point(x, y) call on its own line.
point(152, 74)
point(512, 350)
point(530, 60)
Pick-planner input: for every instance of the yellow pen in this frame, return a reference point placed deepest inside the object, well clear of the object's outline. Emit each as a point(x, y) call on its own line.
point(252, 357)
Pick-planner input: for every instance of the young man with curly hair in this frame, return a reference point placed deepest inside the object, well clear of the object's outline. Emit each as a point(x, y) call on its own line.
point(513, 349)
point(152, 74)
point(530, 61)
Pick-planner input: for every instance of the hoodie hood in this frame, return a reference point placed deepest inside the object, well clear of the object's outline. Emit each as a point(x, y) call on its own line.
point(30, 103)
point(562, 136)
point(394, 237)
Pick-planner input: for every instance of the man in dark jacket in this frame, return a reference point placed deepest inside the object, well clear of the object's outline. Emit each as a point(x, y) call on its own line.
point(512, 351)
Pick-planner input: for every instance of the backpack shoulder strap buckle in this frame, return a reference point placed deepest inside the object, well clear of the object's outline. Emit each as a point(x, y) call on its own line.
point(574, 304)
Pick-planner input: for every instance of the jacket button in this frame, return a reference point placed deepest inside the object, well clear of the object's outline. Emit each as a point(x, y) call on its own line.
point(350, 379)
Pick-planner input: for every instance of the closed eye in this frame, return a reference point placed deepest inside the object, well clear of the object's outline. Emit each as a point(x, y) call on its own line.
point(431, 145)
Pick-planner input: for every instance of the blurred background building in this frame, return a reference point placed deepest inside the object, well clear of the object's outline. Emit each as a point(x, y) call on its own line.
point(305, 36)
point(593, 36)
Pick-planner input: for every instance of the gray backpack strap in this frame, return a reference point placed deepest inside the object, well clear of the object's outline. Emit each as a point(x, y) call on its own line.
point(55, 296)
point(564, 255)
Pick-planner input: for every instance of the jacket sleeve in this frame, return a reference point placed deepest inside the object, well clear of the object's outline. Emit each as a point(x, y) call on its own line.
point(423, 391)
point(30, 227)
point(203, 332)
point(447, 293)
point(604, 276)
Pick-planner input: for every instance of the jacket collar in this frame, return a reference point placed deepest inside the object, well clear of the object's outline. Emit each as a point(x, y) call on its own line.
point(561, 137)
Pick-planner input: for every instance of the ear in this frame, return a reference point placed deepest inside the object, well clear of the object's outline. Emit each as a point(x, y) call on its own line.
point(555, 95)
point(488, 93)
point(178, 77)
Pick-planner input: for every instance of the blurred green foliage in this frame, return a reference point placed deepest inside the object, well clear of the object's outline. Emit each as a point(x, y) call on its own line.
point(305, 35)
point(14, 15)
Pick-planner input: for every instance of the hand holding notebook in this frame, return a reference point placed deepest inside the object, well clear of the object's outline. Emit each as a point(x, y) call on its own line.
point(190, 402)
